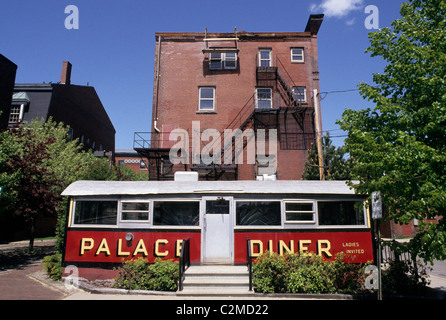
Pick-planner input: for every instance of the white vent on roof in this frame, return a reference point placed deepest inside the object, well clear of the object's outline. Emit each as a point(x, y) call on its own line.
point(186, 176)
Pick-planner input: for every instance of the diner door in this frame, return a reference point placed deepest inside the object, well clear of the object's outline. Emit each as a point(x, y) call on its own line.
point(218, 234)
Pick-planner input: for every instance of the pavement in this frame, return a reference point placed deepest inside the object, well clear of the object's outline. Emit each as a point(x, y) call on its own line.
point(25, 280)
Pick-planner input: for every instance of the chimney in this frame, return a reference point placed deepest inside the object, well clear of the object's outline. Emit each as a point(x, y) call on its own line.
point(65, 77)
point(314, 23)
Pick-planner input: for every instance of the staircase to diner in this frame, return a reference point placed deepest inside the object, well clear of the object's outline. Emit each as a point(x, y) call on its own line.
point(216, 280)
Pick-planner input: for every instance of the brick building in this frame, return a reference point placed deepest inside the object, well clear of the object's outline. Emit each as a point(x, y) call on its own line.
point(131, 159)
point(265, 84)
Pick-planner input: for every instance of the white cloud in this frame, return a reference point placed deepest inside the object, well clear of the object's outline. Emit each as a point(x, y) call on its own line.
point(337, 8)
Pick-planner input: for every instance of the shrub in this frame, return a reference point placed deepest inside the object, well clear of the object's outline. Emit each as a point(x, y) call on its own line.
point(138, 274)
point(273, 273)
point(52, 265)
point(402, 277)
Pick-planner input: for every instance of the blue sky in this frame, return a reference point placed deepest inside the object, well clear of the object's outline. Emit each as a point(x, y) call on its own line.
point(113, 49)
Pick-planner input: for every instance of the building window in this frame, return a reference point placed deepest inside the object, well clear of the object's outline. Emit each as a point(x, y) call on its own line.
point(16, 113)
point(299, 212)
point(96, 212)
point(207, 98)
point(265, 58)
point(135, 211)
point(264, 98)
point(223, 60)
point(300, 94)
point(258, 213)
point(176, 213)
point(142, 165)
point(297, 55)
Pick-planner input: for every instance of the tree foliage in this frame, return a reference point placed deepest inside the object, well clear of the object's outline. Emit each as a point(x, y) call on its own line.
point(398, 147)
point(337, 165)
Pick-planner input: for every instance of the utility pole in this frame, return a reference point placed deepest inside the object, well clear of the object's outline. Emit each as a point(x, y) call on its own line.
point(317, 121)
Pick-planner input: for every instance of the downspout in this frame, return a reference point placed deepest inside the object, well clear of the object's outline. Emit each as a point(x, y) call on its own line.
point(155, 120)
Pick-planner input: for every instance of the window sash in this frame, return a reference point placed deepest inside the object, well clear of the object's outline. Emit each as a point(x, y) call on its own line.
point(300, 93)
point(264, 98)
point(135, 211)
point(300, 212)
point(258, 213)
point(96, 212)
point(265, 58)
point(297, 55)
point(207, 98)
point(223, 60)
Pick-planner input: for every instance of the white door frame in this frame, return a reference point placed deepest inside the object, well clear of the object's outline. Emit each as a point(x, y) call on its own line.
point(217, 234)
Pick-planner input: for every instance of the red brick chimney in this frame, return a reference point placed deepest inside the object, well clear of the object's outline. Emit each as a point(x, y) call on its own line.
point(65, 77)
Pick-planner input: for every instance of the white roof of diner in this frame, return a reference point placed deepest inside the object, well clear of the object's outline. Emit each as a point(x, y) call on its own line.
point(109, 188)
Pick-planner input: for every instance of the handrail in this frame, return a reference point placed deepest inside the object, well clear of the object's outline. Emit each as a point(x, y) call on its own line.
point(184, 260)
point(249, 261)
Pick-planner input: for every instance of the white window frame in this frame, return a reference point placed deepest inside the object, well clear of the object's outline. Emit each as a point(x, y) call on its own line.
point(226, 59)
point(263, 99)
point(236, 226)
point(347, 226)
point(312, 202)
point(99, 226)
point(121, 211)
point(206, 99)
point(269, 57)
point(165, 226)
point(19, 115)
point(293, 55)
point(297, 90)
point(222, 61)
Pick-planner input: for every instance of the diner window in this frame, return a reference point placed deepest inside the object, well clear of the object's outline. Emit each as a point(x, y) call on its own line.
point(258, 213)
point(135, 211)
point(207, 99)
point(223, 60)
point(341, 213)
point(297, 55)
point(299, 212)
point(300, 94)
point(264, 98)
point(265, 58)
point(96, 212)
point(176, 213)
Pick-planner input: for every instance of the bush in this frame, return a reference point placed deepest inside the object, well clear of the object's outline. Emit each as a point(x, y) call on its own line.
point(138, 274)
point(292, 273)
point(52, 265)
point(402, 277)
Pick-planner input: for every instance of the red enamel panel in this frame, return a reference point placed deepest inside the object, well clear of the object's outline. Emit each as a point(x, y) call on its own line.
point(110, 246)
point(357, 246)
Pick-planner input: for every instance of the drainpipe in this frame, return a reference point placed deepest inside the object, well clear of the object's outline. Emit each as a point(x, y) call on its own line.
point(157, 85)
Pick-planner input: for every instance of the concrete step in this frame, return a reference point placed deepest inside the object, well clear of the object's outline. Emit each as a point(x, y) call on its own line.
point(216, 280)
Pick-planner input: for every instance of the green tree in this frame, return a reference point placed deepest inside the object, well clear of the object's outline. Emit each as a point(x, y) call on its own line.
point(398, 147)
point(37, 161)
point(337, 164)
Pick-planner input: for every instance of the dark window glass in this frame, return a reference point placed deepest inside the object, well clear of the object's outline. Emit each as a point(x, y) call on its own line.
point(258, 213)
point(342, 213)
point(217, 207)
point(96, 212)
point(176, 213)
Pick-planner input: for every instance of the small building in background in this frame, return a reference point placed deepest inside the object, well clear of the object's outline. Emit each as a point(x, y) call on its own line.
point(131, 159)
